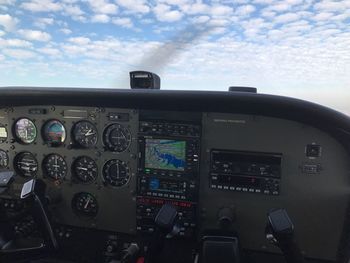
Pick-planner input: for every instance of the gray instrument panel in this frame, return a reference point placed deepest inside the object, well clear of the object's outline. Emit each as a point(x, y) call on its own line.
point(316, 202)
point(116, 205)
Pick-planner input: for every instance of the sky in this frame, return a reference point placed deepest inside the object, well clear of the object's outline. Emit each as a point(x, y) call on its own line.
point(297, 48)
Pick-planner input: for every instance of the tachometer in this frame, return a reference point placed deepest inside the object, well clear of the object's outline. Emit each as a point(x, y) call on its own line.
point(25, 131)
point(26, 164)
point(85, 204)
point(85, 134)
point(116, 173)
point(54, 133)
point(85, 169)
point(4, 159)
point(55, 166)
point(116, 137)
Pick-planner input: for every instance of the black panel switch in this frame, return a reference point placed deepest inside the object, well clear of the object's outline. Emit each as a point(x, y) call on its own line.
point(313, 150)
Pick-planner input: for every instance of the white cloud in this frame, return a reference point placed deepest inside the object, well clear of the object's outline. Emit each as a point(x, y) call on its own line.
point(50, 51)
point(136, 6)
point(103, 7)
point(221, 10)
point(218, 22)
point(294, 2)
point(14, 42)
point(287, 17)
point(79, 40)
point(200, 19)
point(280, 7)
point(66, 31)
point(268, 14)
point(100, 18)
point(165, 13)
point(8, 22)
point(176, 2)
point(322, 16)
point(41, 6)
point(43, 22)
point(123, 22)
point(332, 5)
point(19, 53)
point(196, 8)
point(2, 33)
point(245, 10)
point(7, 2)
point(73, 10)
point(35, 35)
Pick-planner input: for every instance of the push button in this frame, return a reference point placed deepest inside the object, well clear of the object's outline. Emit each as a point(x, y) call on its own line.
point(313, 150)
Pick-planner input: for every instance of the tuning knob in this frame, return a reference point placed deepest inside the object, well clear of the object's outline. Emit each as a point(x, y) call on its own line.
point(226, 216)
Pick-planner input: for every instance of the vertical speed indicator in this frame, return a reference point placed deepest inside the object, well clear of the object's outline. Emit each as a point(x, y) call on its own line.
point(85, 169)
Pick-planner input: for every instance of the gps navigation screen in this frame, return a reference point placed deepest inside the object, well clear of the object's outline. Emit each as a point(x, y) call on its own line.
point(165, 154)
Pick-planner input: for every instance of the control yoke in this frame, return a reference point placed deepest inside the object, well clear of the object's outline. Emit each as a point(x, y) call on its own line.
point(166, 227)
point(33, 191)
point(280, 232)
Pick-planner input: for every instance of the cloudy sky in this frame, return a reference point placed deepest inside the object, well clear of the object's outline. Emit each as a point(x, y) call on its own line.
point(298, 48)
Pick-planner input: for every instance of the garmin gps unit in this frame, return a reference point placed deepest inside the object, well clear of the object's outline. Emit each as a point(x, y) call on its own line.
point(168, 172)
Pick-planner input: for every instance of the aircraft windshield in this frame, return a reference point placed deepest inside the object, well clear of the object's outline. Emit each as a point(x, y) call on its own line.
point(298, 48)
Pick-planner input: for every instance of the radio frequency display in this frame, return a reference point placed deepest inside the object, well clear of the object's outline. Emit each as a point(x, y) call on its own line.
point(165, 154)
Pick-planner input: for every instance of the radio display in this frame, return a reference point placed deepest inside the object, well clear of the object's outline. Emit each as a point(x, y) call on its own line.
point(165, 154)
point(175, 187)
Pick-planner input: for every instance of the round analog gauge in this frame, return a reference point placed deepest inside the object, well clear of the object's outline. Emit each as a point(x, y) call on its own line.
point(25, 131)
point(3, 134)
point(116, 173)
point(85, 204)
point(4, 159)
point(55, 166)
point(85, 134)
point(26, 164)
point(85, 169)
point(117, 138)
point(54, 133)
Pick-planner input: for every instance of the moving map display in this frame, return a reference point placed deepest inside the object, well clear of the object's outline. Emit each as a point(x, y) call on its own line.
point(165, 154)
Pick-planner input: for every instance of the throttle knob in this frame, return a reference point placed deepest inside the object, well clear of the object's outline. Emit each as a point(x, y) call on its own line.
point(226, 217)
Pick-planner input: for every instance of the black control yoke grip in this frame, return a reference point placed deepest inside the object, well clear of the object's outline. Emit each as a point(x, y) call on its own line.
point(280, 230)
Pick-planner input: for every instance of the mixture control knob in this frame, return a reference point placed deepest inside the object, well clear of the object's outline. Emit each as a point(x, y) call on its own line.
point(226, 217)
point(111, 246)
